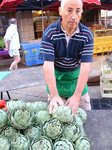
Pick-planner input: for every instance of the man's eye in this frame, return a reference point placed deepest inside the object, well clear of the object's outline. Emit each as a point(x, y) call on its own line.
point(69, 10)
point(78, 11)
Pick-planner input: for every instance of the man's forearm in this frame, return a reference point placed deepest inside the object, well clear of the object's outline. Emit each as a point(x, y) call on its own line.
point(83, 78)
point(50, 78)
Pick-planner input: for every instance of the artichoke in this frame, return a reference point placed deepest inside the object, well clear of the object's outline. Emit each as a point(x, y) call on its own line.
point(9, 132)
point(63, 144)
point(77, 121)
point(20, 142)
point(38, 106)
point(13, 104)
point(52, 128)
point(82, 143)
point(71, 132)
point(3, 118)
point(4, 143)
point(63, 113)
point(43, 143)
point(33, 133)
point(82, 114)
point(30, 106)
point(41, 117)
point(21, 118)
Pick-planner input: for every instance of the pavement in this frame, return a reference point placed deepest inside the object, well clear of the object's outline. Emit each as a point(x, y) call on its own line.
point(28, 84)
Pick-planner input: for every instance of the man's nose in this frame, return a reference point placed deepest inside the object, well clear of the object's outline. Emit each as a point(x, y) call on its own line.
point(74, 15)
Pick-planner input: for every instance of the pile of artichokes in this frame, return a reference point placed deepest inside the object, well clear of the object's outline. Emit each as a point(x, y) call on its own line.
point(29, 126)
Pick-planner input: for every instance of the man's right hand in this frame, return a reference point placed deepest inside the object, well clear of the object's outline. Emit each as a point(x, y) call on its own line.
point(54, 103)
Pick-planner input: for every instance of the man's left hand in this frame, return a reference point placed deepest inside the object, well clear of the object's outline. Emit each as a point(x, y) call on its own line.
point(73, 102)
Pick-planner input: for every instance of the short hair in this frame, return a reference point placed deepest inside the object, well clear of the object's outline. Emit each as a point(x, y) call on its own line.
point(13, 21)
point(62, 3)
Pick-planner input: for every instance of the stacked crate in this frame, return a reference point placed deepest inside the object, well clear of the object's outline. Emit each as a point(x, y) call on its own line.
point(31, 53)
point(106, 79)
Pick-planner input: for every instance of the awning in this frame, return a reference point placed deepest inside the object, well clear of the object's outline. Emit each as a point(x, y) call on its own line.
point(106, 4)
point(88, 4)
point(14, 5)
point(8, 5)
point(91, 4)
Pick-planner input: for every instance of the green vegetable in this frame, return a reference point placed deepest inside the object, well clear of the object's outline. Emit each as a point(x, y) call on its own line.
point(82, 114)
point(38, 106)
point(3, 118)
point(52, 128)
point(4, 143)
point(13, 104)
point(71, 132)
point(9, 132)
point(21, 118)
point(42, 116)
point(82, 143)
point(63, 144)
point(20, 142)
point(43, 143)
point(63, 113)
point(33, 133)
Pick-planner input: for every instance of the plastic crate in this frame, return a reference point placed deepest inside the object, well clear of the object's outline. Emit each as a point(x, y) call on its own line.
point(31, 54)
point(102, 44)
point(106, 92)
point(106, 78)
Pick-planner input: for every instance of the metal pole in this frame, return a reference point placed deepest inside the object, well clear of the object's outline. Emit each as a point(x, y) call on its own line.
point(42, 5)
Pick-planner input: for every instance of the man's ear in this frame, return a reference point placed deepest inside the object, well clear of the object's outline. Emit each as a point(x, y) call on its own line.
point(60, 11)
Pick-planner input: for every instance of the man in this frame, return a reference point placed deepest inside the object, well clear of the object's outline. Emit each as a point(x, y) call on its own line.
point(67, 48)
point(12, 43)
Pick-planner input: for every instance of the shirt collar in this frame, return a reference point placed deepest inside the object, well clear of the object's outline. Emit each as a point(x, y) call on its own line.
point(76, 31)
point(59, 27)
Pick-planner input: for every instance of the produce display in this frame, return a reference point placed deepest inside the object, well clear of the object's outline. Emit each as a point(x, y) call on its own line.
point(29, 126)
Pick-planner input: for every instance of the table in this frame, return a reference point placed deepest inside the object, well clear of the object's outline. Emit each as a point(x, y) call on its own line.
point(22, 78)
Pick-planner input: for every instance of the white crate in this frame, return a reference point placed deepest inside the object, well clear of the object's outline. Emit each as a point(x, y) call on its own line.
point(106, 92)
point(106, 87)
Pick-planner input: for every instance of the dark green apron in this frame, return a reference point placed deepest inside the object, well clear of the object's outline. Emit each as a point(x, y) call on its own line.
point(66, 83)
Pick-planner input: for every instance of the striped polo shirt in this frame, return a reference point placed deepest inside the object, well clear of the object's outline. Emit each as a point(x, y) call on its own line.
point(66, 56)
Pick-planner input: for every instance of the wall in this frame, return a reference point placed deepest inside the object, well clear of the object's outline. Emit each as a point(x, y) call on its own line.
point(25, 25)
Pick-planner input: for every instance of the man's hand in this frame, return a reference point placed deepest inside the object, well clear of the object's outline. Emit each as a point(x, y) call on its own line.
point(73, 102)
point(54, 103)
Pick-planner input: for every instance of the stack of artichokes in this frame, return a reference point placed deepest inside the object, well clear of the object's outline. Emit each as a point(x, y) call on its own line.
point(29, 126)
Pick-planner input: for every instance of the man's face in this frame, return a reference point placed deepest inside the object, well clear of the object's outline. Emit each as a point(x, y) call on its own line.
point(71, 13)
